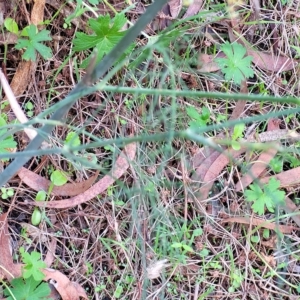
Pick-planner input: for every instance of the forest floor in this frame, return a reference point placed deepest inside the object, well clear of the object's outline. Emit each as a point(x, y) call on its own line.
point(194, 191)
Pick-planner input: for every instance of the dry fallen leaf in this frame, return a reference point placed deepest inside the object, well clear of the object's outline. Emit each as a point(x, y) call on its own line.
point(67, 289)
point(39, 183)
point(262, 223)
point(119, 169)
point(287, 178)
point(207, 63)
point(193, 8)
point(261, 163)
point(215, 169)
point(272, 63)
point(25, 69)
point(50, 256)
point(207, 169)
point(175, 7)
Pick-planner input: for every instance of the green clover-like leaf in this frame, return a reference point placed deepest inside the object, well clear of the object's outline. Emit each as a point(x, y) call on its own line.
point(235, 66)
point(33, 43)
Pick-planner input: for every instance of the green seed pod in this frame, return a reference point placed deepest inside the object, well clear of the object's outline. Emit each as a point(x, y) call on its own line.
point(36, 217)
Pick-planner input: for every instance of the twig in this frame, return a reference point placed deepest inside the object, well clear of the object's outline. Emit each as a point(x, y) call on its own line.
point(31, 132)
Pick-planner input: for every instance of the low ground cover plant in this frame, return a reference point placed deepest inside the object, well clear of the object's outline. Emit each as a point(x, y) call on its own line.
point(170, 170)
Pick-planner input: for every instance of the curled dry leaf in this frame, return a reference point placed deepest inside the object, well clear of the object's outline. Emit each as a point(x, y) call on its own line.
point(202, 161)
point(34, 232)
point(67, 289)
point(39, 183)
point(207, 64)
point(262, 223)
point(50, 256)
point(7, 38)
point(119, 169)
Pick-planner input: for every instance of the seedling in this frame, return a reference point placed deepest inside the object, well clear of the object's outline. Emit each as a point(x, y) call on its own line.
point(266, 233)
point(268, 196)
point(276, 164)
point(6, 192)
point(30, 287)
point(33, 44)
point(29, 108)
point(27, 289)
point(57, 178)
point(89, 268)
point(72, 140)
point(118, 292)
point(236, 276)
point(79, 10)
point(108, 32)
point(109, 148)
point(236, 66)
point(198, 120)
point(33, 264)
point(236, 279)
point(255, 238)
point(237, 134)
point(179, 244)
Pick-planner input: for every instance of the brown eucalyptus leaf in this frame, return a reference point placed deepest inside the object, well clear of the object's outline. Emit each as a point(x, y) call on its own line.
point(39, 183)
point(261, 163)
point(193, 8)
point(175, 7)
point(215, 169)
point(258, 167)
point(262, 223)
point(286, 178)
point(290, 208)
point(272, 63)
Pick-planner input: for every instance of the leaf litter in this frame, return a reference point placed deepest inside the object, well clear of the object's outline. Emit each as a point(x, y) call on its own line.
point(121, 165)
point(210, 163)
point(68, 290)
